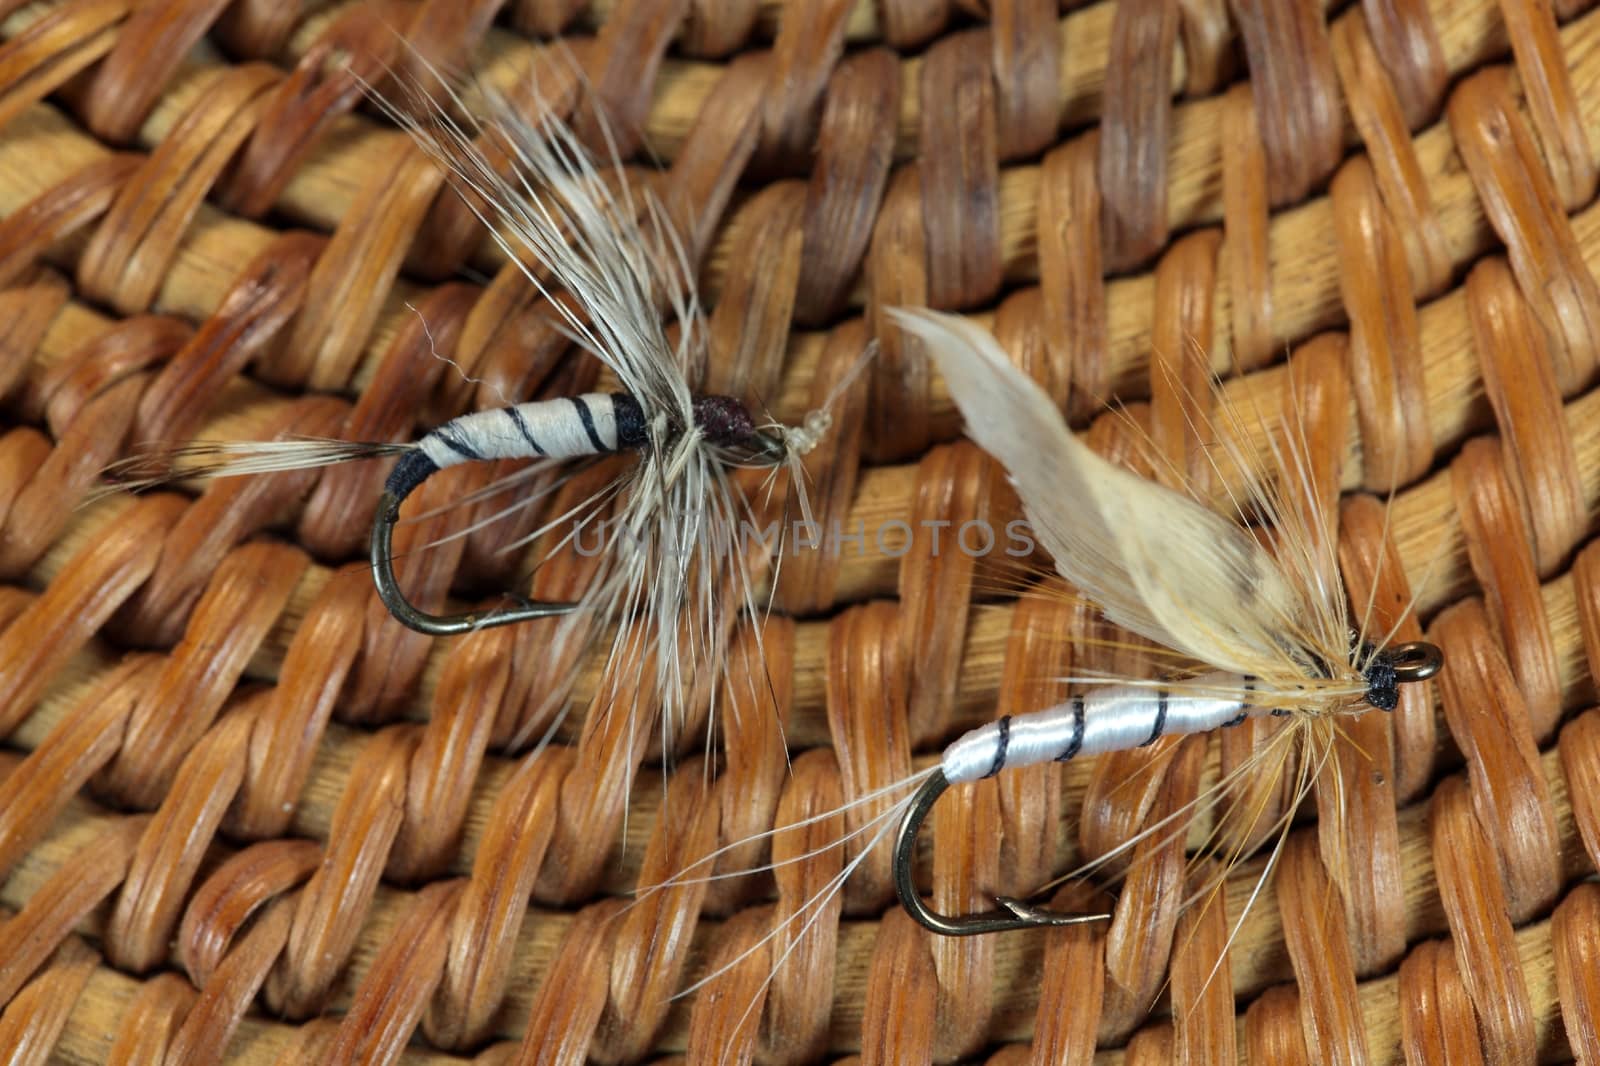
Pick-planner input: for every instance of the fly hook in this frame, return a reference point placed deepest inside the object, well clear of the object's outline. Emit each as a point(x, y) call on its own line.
point(1108, 719)
point(438, 625)
point(1014, 913)
point(577, 426)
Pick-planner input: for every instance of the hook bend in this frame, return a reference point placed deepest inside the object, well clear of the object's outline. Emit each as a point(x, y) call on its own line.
point(438, 625)
point(1014, 913)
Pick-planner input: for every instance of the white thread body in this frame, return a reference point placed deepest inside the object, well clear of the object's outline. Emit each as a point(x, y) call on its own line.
point(557, 429)
point(1104, 718)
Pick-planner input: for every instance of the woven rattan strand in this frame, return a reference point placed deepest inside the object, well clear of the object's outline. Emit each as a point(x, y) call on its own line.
point(244, 817)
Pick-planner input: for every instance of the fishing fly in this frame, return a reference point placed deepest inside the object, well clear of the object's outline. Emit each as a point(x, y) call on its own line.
point(1248, 630)
point(1273, 632)
point(671, 551)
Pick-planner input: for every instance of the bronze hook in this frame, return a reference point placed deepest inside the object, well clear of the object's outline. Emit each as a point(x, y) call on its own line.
point(1015, 913)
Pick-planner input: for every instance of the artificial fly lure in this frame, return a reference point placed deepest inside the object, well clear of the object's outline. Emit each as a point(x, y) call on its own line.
point(1250, 631)
point(566, 428)
point(1273, 632)
point(672, 551)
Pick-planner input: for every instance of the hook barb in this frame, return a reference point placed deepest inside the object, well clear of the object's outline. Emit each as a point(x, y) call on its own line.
point(1013, 913)
point(438, 625)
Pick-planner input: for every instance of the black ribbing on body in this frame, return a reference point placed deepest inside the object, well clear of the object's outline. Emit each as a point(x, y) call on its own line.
point(1249, 687)
point(412, 470)
point(446, 435)
point(1161, 718)
point(631, 429)
point(1002, 742)
point(515, 414)
point(1383, 684)
point(587, 417)
point(1077, 731)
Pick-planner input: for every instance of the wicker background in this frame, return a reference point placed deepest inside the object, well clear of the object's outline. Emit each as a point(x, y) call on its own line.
point(245, 817)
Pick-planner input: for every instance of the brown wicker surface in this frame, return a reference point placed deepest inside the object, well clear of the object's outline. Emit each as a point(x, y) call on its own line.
point(245, 817)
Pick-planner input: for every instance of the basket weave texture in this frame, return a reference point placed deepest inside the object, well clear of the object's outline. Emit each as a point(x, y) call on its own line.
point(245, 817)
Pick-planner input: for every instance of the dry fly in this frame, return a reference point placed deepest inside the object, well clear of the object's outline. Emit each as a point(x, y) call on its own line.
point(1242, 630)
point(673, 566)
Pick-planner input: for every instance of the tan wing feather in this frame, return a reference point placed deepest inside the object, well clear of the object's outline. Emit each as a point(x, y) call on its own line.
point(1156, 562)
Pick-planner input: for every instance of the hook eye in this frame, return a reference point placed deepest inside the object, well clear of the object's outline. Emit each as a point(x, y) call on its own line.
point(1415, 660)
point(438, 625)
point(1014, 914)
